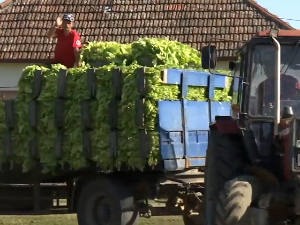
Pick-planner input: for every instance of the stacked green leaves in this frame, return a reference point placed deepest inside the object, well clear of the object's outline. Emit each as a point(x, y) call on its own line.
point(76, 92)
point(145, 51)
point(3, 129)
point(154, 55)
point(161, 51)
point(129, 140)
point(103, 53)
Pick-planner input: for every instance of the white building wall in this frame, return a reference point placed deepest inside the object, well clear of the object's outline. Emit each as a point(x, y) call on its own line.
point(222, 65)
point(10, 74)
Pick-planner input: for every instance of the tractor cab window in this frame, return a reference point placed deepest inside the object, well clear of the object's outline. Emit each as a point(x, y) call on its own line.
point(262, 92)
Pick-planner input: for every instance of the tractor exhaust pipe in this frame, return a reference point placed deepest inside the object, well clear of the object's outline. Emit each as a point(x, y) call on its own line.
point(277, 86)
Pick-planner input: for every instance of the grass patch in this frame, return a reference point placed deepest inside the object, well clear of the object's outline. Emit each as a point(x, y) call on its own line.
point(70, 219)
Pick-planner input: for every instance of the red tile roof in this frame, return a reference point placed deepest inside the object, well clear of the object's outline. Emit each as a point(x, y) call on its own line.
point(24, 23)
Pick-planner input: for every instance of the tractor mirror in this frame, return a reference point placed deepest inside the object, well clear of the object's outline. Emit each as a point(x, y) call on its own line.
point(237, 69)
point(234, 66)
point(209, 57)
point(231, 65)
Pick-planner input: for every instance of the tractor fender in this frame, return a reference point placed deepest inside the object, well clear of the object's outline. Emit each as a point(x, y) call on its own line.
point(266, 177)
point(225, 125)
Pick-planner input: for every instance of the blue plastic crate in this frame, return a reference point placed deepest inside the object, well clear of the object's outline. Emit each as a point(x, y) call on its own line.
point(184, 125)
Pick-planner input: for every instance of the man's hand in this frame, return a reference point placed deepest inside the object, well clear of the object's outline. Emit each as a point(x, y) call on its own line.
point(51, 32)
point(77, 57)
point(77, 64)
point(58, 22)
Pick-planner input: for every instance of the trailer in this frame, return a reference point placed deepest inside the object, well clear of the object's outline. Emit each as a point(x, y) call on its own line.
point(120, 197)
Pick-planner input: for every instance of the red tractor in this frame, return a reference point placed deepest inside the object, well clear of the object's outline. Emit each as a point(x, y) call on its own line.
point(252, 173)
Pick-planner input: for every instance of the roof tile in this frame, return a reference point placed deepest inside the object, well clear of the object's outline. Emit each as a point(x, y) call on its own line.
point(23, 24)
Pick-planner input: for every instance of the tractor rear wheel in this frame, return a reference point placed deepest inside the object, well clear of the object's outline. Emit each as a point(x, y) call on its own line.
point(233, 205)
point(224, 161)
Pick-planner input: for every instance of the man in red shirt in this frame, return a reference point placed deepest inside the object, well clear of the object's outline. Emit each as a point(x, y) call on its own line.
point(67, 50)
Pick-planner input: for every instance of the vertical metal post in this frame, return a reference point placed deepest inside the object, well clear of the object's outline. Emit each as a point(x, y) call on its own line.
point(36, 196)
point(277, 86)
point(70, 186)
point(184, 93)
point(211, 94)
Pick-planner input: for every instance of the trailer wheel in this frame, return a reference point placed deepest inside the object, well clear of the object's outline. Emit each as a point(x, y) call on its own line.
point(224, 161)
point(192, 220)
point(106, 202)
point(193, 210)
point(233, 205)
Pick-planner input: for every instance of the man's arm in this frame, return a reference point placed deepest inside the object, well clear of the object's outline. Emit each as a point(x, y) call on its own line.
point(77, 57)
point(52, 32)
point(77, 47)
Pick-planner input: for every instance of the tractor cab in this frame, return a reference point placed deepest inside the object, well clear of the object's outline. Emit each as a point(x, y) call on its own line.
point(258, 67)
point(261, 140)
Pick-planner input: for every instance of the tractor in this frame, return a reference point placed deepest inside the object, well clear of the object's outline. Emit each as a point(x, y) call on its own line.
point(252, 169)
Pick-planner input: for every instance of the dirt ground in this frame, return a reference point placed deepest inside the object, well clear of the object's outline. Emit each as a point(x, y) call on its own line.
point(71, 220)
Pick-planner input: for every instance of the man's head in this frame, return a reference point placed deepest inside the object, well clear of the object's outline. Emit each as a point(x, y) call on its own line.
point(268, 61)
point(67, 22)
